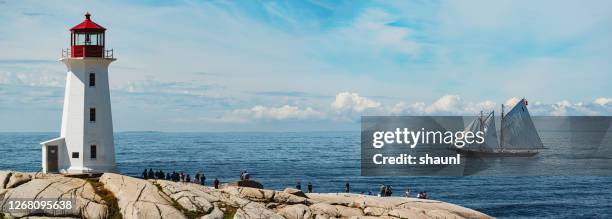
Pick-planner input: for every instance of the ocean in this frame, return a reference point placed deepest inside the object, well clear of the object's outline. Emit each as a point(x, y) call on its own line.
point(328, 160)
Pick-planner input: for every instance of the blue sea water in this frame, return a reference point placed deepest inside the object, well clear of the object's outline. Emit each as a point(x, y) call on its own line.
point(328, 160)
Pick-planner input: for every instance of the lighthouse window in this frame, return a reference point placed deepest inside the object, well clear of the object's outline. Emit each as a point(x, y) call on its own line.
point(75, 154)
point(94, 153)
point(83, 39)
point(92, 79)
point(92, 114)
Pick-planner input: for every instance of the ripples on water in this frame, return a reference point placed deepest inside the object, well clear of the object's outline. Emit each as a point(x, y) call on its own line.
point(328, 160)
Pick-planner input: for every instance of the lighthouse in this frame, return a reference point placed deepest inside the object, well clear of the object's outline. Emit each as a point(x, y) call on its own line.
point(85, 144)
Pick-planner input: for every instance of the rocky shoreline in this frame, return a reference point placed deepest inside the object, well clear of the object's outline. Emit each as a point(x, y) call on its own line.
point(117, 196)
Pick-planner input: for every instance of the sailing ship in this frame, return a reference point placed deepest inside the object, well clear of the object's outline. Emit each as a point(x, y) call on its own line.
point(518, 136)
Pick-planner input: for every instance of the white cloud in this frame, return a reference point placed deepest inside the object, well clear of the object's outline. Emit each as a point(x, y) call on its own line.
point(454, 105)
point(372, 26)
point(445, 105)
point(511, 102)
point(566, 108)
point(353, 102)
point(348, 106)
point(536, 19)
point(383, 51)
point(371, 36)
point(486, 105)
point(285, 112)
point(561, 108)
point(356, 105)
point(602, 101)
point(152, 85)
point(399, 108)
point(260, 112)
point(44, 78)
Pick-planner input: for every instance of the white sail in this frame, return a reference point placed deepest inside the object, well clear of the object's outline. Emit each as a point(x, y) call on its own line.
point(518, 129)
point(474, 127)
point(486, 125)
point(491, 131)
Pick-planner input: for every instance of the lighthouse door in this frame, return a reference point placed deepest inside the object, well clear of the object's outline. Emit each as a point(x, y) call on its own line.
point(52, 158)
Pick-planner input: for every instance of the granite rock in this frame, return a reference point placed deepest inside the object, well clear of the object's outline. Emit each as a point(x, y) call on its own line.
point(86, 203)
point(138, 198)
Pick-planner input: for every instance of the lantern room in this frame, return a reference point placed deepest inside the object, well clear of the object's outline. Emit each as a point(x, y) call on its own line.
point(87, 39)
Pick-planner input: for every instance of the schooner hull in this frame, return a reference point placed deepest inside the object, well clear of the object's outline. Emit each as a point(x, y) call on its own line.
point(498, 153)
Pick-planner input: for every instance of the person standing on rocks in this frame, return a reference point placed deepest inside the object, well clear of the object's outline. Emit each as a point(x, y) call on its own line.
point(298, 186)
point(216, 183)
point(151, 175)
point(388, 191)
point(309, 187)
point(347, 187)
point(197, 177)
point(174, 176)
point(144, 174)
point(202, 179)
point(383, 188)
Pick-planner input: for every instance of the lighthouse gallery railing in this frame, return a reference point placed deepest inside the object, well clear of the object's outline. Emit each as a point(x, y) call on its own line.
point(108, 53)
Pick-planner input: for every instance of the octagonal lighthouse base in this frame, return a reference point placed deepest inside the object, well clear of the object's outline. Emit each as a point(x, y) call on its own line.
point(86, 141)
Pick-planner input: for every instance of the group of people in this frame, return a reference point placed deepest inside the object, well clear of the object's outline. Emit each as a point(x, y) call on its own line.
point(153, 175)
point(385, 190)
point(308, 187)
point(244, 175)
point(199, 178)
point(422, 195)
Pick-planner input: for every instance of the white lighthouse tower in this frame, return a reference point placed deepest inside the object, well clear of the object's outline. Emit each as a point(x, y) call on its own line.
point(86, 142)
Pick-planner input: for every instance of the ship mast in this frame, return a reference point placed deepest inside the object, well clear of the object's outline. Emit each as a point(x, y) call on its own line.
point(480, 126)
point(481, 122)
point(501, 128)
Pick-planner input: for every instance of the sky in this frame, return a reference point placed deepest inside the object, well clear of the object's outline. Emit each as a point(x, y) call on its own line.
point(309, 65)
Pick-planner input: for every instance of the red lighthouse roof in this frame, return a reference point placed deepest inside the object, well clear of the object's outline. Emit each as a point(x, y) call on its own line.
point(88, 25)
